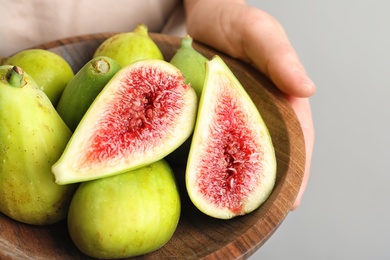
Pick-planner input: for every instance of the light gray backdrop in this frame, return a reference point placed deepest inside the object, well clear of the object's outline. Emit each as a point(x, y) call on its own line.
point(345, 213)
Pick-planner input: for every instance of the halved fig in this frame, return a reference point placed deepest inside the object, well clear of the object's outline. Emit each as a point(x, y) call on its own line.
point(231, 166)
point(143, 113)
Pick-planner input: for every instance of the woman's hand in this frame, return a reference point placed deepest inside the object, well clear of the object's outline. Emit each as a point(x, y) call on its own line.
point(254, 36)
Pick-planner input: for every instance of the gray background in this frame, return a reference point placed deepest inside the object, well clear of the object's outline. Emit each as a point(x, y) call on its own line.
point(345, 212)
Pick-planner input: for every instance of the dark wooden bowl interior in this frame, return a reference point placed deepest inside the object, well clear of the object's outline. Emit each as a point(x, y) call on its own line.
point(197, 235)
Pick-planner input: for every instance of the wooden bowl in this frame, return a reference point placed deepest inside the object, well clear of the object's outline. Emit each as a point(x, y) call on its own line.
point(197, 235)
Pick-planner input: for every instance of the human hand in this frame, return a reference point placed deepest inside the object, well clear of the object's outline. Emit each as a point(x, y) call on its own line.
point(254, 36)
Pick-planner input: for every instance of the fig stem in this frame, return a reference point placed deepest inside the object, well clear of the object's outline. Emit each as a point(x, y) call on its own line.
point(100, 66)
point(186, 42)
point(141, 29)
point(15, 76)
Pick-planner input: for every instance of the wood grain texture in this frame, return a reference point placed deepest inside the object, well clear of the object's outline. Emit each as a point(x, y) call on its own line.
point(197, 236)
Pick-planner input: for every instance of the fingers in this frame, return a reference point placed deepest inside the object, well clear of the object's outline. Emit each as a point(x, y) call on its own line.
point(301, 106)
point(252, 35)
point(267, 46)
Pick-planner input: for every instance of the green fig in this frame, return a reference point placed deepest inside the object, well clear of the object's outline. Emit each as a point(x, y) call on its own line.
point(143, 113)
point(129, 47)
point(125, 215)
point(32, 138)
point(83, 88)
point(231, 167)
point(191, 63)
point(193, 66)
point(49, 70)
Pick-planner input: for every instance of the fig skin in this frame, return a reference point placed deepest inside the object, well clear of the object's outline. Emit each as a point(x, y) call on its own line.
point(32, 138)
point(129, 47)
point(83, 88)
point(143, 113)
point(231, 167)
point(129, 214)
point(49, 70)
point(193, 66)
point(191, 63)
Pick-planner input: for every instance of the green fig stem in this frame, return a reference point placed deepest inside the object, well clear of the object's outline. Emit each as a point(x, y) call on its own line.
point(186, 42)
point(100, 66)
point(141, 29)
point(15, 76)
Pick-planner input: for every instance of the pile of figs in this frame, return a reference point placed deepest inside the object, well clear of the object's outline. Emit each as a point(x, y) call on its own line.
point(96, 146)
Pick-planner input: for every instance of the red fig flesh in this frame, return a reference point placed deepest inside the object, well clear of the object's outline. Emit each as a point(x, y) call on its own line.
point(231, 167)
point(142, 114)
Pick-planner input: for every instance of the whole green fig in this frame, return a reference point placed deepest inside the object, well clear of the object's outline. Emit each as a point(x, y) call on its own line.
point(129, 47)
point(49, 70)
point(83, 88)
point(32, 138)
point(129, 214)
point(191, 63)
point(193, 66)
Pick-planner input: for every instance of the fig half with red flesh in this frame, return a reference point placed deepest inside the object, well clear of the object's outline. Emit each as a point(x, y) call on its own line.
point(143, 113)
point(231, 168)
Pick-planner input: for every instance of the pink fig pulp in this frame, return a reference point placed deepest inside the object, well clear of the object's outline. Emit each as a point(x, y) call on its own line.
point(231, 166)
point(144, 113)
